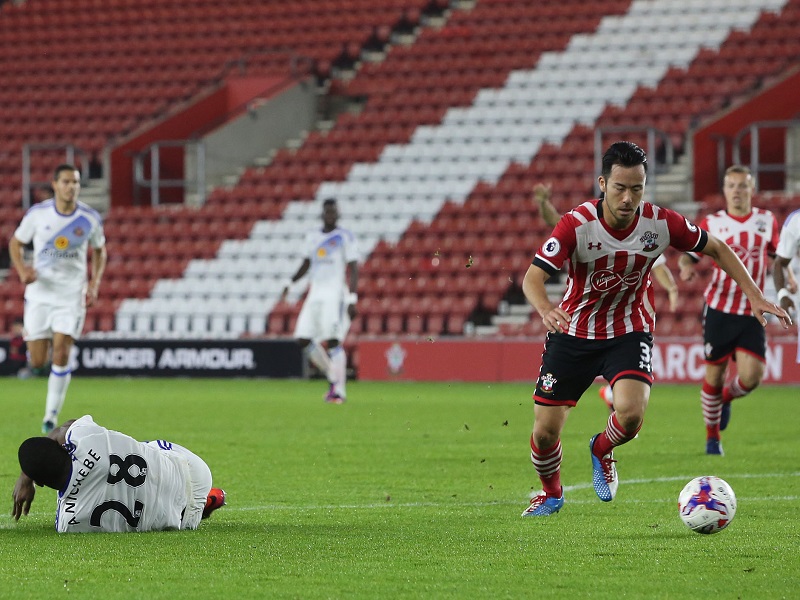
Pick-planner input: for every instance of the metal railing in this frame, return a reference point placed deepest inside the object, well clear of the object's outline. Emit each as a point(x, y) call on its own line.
point(791, 163)
point(155, 182)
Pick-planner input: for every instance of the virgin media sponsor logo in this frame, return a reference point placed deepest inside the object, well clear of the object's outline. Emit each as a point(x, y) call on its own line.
point(606, 280)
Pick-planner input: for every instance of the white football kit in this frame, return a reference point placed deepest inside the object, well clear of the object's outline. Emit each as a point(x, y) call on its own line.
point(119, 484)
point(55, 302)
point(788, 247)
point(324, 313)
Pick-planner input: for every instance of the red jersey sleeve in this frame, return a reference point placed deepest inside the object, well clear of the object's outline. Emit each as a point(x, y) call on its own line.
point(685, 235)
point(556, 249)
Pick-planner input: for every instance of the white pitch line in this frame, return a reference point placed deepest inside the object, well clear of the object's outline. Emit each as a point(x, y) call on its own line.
point(572, 488)
point(687, 478)
point(275, 507)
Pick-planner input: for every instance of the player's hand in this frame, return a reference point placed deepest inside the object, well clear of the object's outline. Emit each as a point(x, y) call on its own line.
point(352, 311)
point(556, 320)
point(542, 192)
point(787, 303)
point(91, 294)
point(762, 305)
point(27, 274)
point(687, 272)
point(791, 282)
point(23, 494)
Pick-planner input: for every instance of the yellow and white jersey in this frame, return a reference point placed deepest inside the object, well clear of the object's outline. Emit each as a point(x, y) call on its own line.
point(329, 253)
point(60, 246)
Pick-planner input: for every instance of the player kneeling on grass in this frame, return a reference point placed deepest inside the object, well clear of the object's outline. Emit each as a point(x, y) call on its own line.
point(109, 482)
point(604, 323)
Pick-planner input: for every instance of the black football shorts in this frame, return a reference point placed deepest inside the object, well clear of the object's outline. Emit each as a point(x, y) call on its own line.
point(571, 364)
point(724, 334)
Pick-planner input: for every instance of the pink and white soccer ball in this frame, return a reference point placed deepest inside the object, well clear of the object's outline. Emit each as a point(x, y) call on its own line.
point(707, 504)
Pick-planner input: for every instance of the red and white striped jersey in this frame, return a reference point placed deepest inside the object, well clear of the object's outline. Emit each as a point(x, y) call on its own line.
point(609, 292)
point(752, 238)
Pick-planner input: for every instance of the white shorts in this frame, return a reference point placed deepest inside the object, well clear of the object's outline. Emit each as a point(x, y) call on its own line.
point(43, 319)
point(321, 320)
point(198, 482)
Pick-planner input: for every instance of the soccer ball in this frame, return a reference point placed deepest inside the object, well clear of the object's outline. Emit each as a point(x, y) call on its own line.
point(707, 504)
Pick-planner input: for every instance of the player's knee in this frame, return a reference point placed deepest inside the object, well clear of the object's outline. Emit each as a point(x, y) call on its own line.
point(751, 381)
point(545, 437)
point(630, 420)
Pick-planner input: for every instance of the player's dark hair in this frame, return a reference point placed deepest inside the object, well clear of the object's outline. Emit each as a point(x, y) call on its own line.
point(328, 202)
point(45, 461)
point(625, 154)
point(63, 167)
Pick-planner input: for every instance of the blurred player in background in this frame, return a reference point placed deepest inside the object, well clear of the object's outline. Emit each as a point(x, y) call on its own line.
point(109, 482)
point(603, 325)
point(788, 248)
point(731, 328)
point(332, 264)
point(57, 293)
point(661, 273)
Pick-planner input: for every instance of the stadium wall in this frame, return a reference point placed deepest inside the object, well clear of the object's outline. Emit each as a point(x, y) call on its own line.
point(778, 102)
point(233, 95)
point(494, 360)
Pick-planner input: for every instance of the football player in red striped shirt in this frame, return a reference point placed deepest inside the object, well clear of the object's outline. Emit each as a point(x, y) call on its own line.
point(730, 328)
point(604, 323)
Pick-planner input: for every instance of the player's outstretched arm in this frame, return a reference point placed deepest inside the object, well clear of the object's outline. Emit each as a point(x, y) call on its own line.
point(23, 494)
point(26, 272)
point(24, 489)
point(730, 263)
point(542, 193)
point(791, 282)
point(781, 268)
point(302, 270)
point(664, 277)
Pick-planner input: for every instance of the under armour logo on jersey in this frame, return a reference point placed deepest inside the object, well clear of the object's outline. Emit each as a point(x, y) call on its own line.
point(606, 280)
point(592, 245)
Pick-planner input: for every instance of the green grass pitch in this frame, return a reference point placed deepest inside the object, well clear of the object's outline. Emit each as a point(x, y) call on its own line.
point(414, 491)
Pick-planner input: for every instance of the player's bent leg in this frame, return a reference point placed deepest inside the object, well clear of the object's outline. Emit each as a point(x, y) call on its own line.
point(623, 425)
point(711, 403)
point(198, 483)
point(338, 357)
point(58, 381)
point(750, 369)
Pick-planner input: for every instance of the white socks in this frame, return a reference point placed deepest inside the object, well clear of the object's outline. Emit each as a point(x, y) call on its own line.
point(333, 365)
point(57, 385)
point(320, 359)
point(339, 363)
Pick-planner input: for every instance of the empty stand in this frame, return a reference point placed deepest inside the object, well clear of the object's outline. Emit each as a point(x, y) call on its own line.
point(433, 176)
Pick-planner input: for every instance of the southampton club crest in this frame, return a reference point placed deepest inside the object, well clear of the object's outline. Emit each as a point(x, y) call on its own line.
point(547, 382)
point(395, 357)
point(649, 241)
